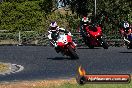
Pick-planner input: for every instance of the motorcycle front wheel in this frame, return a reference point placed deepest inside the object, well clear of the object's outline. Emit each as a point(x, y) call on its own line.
point(72, 53)
point(103, 43)
point(129, 46)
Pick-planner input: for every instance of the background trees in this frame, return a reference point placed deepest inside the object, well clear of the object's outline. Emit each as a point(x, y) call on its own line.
point(35, 15)
point(114, 11)
point(24, 15)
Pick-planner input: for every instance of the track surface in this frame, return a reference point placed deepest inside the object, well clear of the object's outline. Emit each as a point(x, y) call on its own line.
point(43, 62)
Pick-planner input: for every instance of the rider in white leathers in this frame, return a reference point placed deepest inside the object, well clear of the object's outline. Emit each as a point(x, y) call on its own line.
point(54, 32)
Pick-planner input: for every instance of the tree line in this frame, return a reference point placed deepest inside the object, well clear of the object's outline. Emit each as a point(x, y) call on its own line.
point(35, 15)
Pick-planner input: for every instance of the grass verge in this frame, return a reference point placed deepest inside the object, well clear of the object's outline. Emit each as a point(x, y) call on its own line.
point(69, 85)
point(3, 67)
point(60, 83)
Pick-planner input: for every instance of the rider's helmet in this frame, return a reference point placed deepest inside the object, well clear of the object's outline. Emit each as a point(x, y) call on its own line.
point(53, 26)
point(126, 24)
point(85, 21)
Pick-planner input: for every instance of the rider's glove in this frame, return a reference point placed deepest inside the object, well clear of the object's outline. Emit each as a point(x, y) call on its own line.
point(55, 44)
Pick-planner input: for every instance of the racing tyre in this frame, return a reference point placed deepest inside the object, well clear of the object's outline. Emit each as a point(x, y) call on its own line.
point(86, 40)
point(89, 44)
point(72, 53)
point(104, 44)
point(129, 46)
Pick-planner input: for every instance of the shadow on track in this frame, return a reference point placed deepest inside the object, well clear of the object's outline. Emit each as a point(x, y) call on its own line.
point(62, 58)
point(125, 52)
point(88, 48)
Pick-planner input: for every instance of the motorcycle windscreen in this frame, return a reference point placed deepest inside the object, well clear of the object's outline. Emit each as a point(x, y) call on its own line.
point(61, 40)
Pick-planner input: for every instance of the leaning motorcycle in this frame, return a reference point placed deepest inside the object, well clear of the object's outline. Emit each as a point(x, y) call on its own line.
point(92, 36)
point(65, 45)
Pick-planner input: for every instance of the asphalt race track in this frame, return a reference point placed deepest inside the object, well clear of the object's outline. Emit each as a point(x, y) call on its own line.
point(42, 62)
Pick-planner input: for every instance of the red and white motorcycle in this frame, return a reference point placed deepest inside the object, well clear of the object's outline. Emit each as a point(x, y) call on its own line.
point(65, 45)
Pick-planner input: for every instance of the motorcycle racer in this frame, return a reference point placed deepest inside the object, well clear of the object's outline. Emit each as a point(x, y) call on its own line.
point(54, 31)
point(126, 30)
point(86, 24)
point(85, 21)
point(92, 34)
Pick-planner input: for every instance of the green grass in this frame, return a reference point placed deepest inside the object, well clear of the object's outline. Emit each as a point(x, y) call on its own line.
point(71, 85)
point(68, 85)
point(3, 67)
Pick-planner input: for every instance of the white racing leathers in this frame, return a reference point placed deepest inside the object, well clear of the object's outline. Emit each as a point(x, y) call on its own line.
point(57, 32)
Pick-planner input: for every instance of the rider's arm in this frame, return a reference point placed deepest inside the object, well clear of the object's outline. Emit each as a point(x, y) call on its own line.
point(63, 30)
point(66, 31)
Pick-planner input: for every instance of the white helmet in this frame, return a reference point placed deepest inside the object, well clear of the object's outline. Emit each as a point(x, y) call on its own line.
point(53, 24)
point(85, 20)
point(126, 24)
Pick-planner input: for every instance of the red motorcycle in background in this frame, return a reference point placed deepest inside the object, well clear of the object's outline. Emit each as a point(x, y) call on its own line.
point(92, 36)
point(66, 45)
